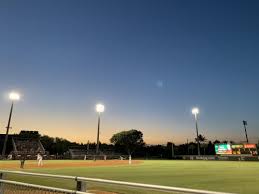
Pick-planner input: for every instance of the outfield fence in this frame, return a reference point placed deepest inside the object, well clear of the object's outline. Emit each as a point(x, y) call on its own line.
point(10, 187)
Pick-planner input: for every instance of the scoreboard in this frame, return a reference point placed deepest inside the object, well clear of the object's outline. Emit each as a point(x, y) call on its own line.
point(236, 149)
point(223, 149)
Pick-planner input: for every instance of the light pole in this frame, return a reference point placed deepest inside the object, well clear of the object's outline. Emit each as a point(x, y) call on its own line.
point(172, 150)
point(99, 110)
point(245, 124)
point(13, 96)
point(195, 112)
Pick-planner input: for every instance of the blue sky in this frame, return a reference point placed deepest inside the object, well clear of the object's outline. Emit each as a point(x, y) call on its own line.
point(148, 61)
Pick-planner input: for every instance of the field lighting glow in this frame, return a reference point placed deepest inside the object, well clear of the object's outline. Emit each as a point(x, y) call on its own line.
point(14, 96)
point(100, 108)
point(195, 111)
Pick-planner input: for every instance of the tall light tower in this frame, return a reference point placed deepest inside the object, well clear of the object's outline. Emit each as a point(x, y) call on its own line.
point(195, 112)
point(99, 109)
point(13, 96)
point(245, 124)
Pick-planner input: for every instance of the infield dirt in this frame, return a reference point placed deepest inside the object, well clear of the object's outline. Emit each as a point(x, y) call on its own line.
point(33, 164)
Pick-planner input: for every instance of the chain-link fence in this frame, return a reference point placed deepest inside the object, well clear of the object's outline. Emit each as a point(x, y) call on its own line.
point(14, 187)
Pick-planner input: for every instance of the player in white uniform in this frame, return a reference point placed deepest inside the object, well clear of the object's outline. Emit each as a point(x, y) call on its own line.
point(129, 159)
point(39, 159)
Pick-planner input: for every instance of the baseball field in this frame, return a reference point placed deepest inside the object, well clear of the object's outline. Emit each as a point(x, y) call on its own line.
point(227, 176)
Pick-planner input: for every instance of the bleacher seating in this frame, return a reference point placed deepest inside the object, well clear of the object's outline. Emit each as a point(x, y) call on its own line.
point(77, 153)
point(82, 153)
point(28, 147)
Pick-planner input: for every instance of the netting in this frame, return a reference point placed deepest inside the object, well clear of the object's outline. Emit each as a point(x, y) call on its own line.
point(12, 187)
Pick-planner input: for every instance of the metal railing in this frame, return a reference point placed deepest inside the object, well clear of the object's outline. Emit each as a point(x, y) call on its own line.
point(81, 183)
point(7, 186)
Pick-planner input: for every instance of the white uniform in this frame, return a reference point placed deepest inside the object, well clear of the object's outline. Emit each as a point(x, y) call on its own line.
point(129, 159)
point(39, 159)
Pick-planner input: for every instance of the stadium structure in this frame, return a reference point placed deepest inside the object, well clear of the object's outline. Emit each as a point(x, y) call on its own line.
point(80, 152)
point(18, 145)
point(28, 144)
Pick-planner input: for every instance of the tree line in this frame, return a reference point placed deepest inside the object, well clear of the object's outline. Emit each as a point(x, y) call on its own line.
point(129, 142)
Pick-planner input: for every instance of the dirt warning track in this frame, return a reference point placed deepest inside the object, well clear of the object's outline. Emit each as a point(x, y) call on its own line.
point(66, 164)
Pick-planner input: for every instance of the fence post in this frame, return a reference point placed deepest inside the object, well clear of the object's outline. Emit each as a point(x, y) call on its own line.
point(80, 185)
point(1, 184)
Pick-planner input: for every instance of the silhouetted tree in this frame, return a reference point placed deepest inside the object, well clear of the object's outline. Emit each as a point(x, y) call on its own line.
point(216, 141)
point(192, 146)
point(211, 149)
point(48, 144)
point(129, 140)
point(202, 139)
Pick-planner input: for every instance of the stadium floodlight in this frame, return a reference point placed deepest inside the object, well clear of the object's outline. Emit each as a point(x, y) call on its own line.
point(100, 109)
point(195, 112)
point(13, 96)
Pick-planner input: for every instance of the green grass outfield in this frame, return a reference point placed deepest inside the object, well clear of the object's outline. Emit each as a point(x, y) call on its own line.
point(227, 176)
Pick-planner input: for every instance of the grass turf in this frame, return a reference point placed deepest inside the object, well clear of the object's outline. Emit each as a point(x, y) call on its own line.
point(227, 176)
